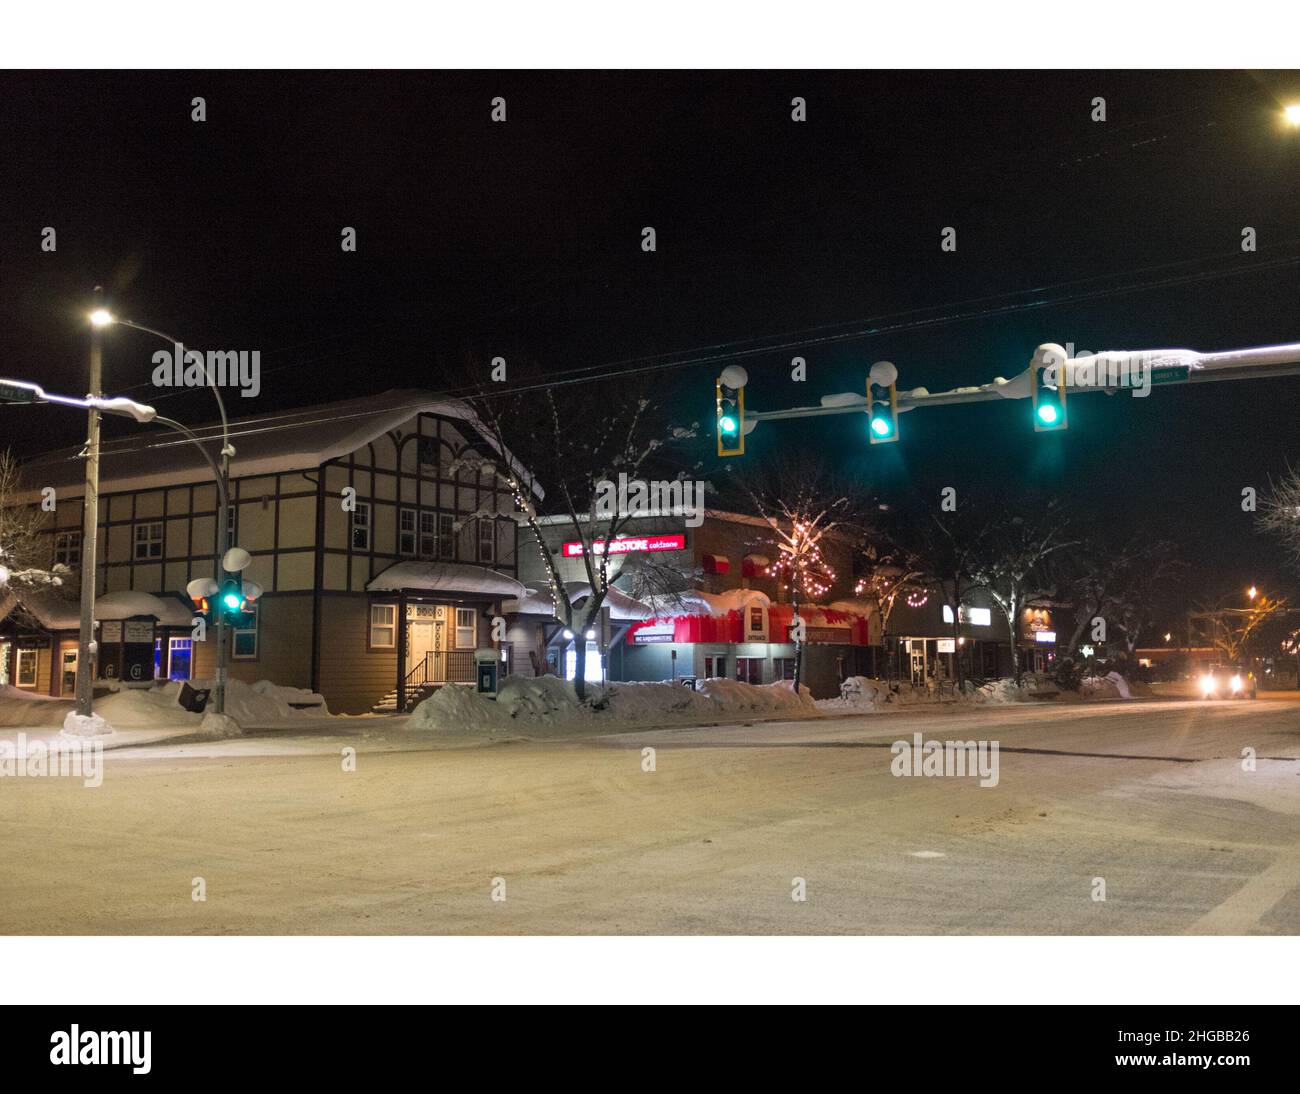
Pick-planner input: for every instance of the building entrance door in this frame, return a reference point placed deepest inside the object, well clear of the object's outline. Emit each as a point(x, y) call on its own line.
point(68, 668)
point(425, 643)
point(918, 663)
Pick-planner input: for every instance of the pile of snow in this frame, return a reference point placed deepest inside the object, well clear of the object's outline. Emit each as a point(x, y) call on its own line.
point(529, 703)
point(219, 726)
point(85, 725)
point(267, 702)
point(733, 696)
point(146, 708)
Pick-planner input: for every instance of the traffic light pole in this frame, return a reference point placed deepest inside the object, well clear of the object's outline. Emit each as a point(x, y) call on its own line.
point(1172, 366)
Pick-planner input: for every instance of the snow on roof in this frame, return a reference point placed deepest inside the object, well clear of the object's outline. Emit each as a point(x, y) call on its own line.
point(538, 601)
point(125, 604)
point(717, 605)
point(59, 613)
point(277, 441)
point(445, 577)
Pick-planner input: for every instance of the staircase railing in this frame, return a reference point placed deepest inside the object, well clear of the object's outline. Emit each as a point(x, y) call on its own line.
point(419, 674)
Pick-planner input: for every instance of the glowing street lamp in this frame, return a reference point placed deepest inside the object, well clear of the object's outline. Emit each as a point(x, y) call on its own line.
point(1292, 114)
point(1252, 592)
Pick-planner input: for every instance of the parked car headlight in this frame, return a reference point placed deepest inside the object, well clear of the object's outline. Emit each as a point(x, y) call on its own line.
point(1207, 685)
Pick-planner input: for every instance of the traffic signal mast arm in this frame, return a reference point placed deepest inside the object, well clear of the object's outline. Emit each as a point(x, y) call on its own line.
point(1163, 366)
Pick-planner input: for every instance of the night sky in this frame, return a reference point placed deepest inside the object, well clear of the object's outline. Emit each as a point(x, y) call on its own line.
point(523, 239)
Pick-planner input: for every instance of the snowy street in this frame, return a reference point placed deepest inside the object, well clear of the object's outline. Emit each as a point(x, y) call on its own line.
point(1149, 797)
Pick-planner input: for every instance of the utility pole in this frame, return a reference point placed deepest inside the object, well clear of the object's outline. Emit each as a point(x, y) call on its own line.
point(87, 648)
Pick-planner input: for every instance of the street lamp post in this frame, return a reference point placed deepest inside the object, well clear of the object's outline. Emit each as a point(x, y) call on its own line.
point(87, 647)
point(101, 317)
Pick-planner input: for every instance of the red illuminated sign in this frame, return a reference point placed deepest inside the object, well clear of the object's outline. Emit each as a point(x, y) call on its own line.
point(624, 545)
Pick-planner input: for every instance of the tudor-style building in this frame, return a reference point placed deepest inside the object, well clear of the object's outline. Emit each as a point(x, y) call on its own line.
point(383, 552)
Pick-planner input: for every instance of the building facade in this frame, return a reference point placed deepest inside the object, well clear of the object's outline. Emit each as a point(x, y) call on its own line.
point(731, 620)
point(383, 544)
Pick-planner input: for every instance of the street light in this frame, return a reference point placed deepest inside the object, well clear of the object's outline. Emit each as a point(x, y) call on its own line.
point(1292, 114)
point(101, 317)
point(1252, 592)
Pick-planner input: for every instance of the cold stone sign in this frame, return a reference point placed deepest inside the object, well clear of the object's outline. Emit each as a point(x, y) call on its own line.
point(625, 544)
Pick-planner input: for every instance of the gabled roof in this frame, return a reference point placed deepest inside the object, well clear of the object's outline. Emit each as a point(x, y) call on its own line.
point(277, 441)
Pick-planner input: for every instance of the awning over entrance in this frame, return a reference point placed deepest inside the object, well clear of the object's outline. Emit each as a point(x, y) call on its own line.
point(453, 578)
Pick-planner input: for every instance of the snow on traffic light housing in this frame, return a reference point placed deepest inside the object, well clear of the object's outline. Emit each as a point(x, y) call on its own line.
point(731, 416)
point(882, 403)
point(1048, 385)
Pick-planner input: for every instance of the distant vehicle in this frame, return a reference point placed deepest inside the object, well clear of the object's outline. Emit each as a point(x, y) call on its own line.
point(1228, 682)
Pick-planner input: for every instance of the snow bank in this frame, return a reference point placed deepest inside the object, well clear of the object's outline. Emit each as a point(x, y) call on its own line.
point(533, 703)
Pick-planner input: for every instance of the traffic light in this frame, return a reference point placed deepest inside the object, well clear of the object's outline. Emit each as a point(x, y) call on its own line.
point(882, 403)
point(731, 419)
point(232, 604)
point(1049, 390)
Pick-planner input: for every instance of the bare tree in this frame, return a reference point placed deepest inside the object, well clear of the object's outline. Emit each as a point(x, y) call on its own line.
point(1280, 511)
point(1012, 562)
point(578, 445)
point(1231, 630)
point(890, 571)
point(805, 505)
point(952, 543)
point(1127, 583)
point(24, 551)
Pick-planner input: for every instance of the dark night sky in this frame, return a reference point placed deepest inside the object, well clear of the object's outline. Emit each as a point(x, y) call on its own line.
point(523, 238)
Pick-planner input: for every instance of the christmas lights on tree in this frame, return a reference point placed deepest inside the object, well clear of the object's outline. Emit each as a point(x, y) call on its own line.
point(800, 564)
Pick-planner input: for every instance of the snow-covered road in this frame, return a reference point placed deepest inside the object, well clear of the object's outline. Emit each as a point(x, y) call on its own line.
point(1151, 798)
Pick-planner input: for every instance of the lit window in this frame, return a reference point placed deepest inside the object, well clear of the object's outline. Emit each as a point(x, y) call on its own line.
point(979, 617)
point(148, 540)
point(67, 549)
point(180, 657)
point(361, 527)
point(465, 628)
point(383, 626)
point(26, 668)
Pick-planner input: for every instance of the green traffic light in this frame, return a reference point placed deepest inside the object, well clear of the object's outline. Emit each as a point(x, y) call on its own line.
point(1048, 414)
point(727, 424)
point(881, 427)
point(231, 601)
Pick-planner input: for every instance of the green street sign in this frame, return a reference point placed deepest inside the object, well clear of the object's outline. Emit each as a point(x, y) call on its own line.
point(16, 393)
point(1170, 374)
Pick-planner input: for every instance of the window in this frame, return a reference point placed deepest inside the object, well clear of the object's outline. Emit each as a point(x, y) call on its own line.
point(428, 535)
point(180, 656)
point(465, 628)
point(980, 617)
point(67, 549)
point(749, 669)
point(26, 669)
point(383, 626)
point(487, 541)
point(148, 540)
point(446, 536)
point(715, 668)
point(756, 619)
point(244, 642)
point(361, 526)
point(406, 520)
point(782, 668)
point(427, 452)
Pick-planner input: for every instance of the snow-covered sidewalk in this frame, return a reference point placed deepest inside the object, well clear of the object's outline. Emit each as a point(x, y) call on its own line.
point(152, 715)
